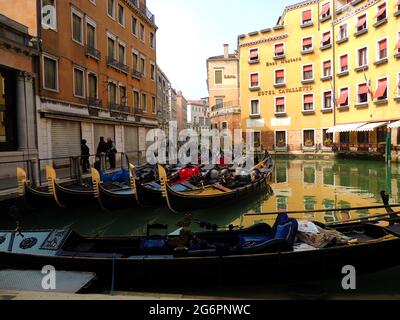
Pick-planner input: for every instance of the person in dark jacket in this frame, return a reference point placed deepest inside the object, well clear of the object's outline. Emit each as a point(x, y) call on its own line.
point(102, 147)
point(85, 154)
point(111, 151)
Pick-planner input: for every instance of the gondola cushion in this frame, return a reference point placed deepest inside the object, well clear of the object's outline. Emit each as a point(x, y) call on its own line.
point(287, 231)
point(254, 238)
point(153, 243)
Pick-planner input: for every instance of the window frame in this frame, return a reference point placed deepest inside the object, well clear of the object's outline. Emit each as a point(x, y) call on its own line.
point(358, 95)
point(48, 56)
point(330, 38)
point(303, 100)
point(215, 76)
point(276, 140)
point(386, 11)
point(358, 57)
point(80, 15)
point(315, 136)
point(302, 72)
point(119, 5)
point(114, 38)
point(323, 69)
point(275, 104)
point(340, 61)
point(284, 77)
point(378, 58)
point(284, 49)
point(122, 44)
point(258, 54)
point(366, 21)
point(258, 83)
point(153, 74)
point(144, 106)
point(387, 85)
point(348, 97)
point(113, 10)
point(323, 99)
point(88, 73)
point(347, 31)
point(259, 107)
point(312, 44)
point(91, 22)
point(302, 23)
point(81, 69)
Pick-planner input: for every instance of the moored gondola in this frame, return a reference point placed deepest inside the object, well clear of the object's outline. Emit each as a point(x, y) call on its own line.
point(186, 197)
point(34, 198)
point(69, 195)
point(147, 193)
point(205, 257)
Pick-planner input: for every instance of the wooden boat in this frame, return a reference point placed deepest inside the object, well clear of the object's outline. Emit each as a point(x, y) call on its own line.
point(147, 193)
point(186, 197)
point(34, 197)
point(73, 195)
point(211, 257)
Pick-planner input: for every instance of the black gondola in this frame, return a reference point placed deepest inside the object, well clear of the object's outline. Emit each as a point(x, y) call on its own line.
point(34, 197)
point(73, 195)
point(187, 197)
point(210, 257)
point(147, 193)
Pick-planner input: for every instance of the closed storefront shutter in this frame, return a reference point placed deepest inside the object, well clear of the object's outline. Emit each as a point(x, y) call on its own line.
point(131, 139)
point(103, 130)
point(66, 141)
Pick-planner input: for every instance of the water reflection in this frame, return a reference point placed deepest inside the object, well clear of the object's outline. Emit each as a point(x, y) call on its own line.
point(296, 185)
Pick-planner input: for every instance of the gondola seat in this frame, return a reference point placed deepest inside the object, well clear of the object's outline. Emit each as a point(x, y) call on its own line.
point(153, 244)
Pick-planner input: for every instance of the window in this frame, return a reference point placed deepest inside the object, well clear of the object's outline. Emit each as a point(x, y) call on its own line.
point(363, 137)
point(307, 44)
point(79, 87)
point(50, 72)
point(381, 15)
point(218, 76)
point(398, 5)
point(136, 100)
point(361, 23)
point(255, 107)
point(143, 66)
point(49, 14)
point(134, 26)
point(362, 95)
point(308, 73)
point(382, 49)
point(344, 63)
point(280, 139)
point(326, 11)
point(308, 102)
point(327, 138)
point(153, 72)
point(279, 76)
point(344, 137)
point(219, 103)
point(77, 27)
point(92, 86)
point(152, 40)
point(112, 93)
point(254, 81)
point(142, 32)
point(121, 53)
point(327, 68)
point(398, 43)
point(144, 102)
point(342, 32)
point(135, 59)
point(362, 57)
point(309, 138)
point(153, 105)
point(343, 100)
point(122, 96)
point(280, 106)
point(398, 86)
point(111, 48)
point(253, 55)
point(121, 15)
point(91, 35)
point(224, 125)
point(111, 8)
point(382, 91)
point(326, 39)
point(327, 100)
point(307, 17)
point(279, 50)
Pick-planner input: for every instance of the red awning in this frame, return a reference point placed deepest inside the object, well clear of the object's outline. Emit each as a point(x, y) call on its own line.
point(307, 68)
point(381, 11)
point(309, 98)
point(382, 45)
point(362, 89)
point(308, 41)
point(343, 96)
point(381, 89)
point(254, 53)
point(326, 37)
point(361, 21)
point(280, 73)
point(344, 61)
point(306, 15)
point(254, 78)
point(279, 49)
point(325, 9)
point(327, 64)
point(280, 101)
point(398, 44)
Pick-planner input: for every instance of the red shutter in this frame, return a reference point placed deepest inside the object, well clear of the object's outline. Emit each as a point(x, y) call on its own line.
point(280, 73)
point(398, 44)
point(344, 94)
point(306, 15)
point(309, 98)
point(307, 68)
point(254, 54)
point(308, 41)
point(344, 61)
point(381, 11)
point(279, 49)
point(382, 45)
point(325, 9)
point(362, 89)
point(280, 101)
point(326, 37)
point(327, 64)
point(398, 85)
point(381, 89)
point(254, 78)
point(361, 21)
point(398, 3)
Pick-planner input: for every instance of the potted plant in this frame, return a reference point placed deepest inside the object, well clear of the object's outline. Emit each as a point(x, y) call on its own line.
point(281, 143)
point(309, 143)
point(328, 142)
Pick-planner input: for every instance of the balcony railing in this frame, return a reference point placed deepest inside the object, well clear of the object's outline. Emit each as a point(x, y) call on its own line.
point(111, 62)
point(137, 74)
point(138, 111)
point(93, 52)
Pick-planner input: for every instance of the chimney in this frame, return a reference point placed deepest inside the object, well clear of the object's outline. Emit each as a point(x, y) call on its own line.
point(226, 51)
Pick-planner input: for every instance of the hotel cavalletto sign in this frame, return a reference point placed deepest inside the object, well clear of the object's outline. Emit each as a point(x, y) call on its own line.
point(285, 91)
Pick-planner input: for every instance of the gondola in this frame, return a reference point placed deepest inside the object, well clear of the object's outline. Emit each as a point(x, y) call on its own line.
point(187, 197)
point(69, 195)
point(147, 193)
point(34, 198)
point(259, 254)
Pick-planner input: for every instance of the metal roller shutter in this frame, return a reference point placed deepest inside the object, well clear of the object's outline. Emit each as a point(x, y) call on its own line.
point(131, 139)
point(103, 130)
point(66, 141)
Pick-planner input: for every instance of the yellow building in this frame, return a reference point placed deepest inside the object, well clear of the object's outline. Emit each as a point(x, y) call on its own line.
point(327, 75)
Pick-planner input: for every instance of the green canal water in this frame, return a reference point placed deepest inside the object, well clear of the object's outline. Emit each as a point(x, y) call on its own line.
point(296, 185)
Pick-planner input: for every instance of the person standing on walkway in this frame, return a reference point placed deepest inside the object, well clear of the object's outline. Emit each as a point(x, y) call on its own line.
point(85, 154)
point(102, 147)
point(111, 152)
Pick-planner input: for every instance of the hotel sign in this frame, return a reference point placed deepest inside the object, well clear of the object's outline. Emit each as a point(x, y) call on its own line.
point(287, 61)
point(230, 76)
point(285, 91)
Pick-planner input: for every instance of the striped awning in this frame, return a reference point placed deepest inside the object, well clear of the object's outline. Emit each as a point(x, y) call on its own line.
point(371, 126)
point(394, 125)
point(345, 127)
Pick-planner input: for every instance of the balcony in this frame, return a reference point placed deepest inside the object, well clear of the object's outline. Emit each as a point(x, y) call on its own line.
point(137, 74)
point(94, 106)
point(93, 53)
point(138, 111)
point(111, 62)
point(119, 111)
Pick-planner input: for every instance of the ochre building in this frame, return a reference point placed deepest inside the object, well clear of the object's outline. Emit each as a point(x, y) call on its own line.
point(326, 77)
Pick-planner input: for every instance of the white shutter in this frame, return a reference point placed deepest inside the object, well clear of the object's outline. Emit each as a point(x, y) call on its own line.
point(66, 141)
point(131, 139)
point(103, 130)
